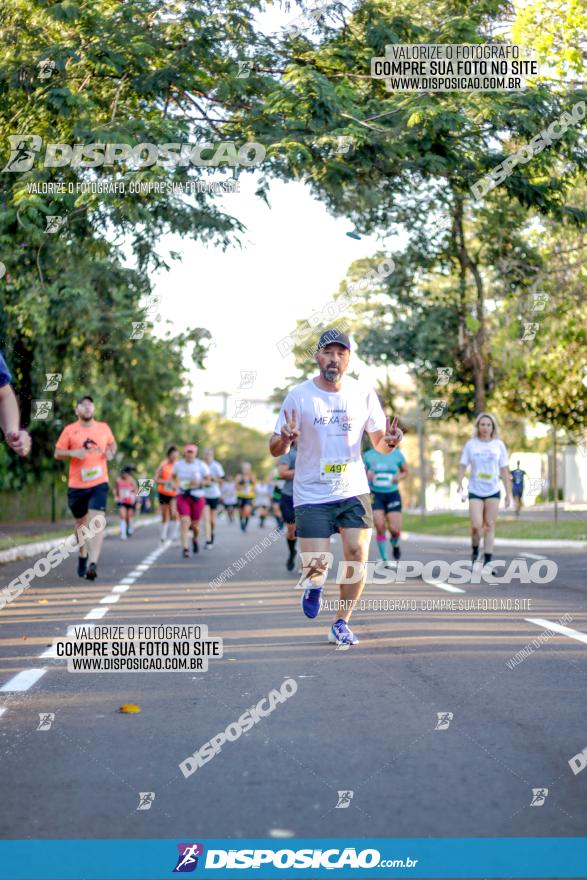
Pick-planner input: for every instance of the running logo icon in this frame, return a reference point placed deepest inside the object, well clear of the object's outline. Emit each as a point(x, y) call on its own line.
point(540, 301)
point(244, 69)
point(247, 379)
point(443, 375)
point(138, 329)
point(46, 68)
point(444, 719)
point(54, 222)
point(146, 799)
point(437, 409)
point(241, 409)
point(22, 157)
point(145, 487)
point(188, 857)
point(530, 331)
point(539, 795)
point(344, 799)
point(46, 719)
point(41, 409)
point(343, 144)
point(53, 380)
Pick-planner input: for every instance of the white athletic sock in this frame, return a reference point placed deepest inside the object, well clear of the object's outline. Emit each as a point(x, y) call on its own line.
point(175, 534)
point(122, 529)
point(164, 528)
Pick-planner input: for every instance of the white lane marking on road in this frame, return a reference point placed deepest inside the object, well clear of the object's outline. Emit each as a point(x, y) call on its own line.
point(22, 681)
point(442, 586)
point(96, 614)
point(26, 679)
point(563, 630)
point(532, 555)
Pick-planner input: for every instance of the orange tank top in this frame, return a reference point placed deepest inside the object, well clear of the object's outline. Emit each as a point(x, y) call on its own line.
point(166, 474)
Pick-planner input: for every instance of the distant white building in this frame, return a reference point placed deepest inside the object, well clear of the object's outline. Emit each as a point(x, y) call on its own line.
point(575, 473)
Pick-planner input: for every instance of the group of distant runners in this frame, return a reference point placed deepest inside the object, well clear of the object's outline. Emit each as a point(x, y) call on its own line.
point(324, 482)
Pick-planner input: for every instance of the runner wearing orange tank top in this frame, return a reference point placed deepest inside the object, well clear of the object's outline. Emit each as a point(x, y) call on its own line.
point(168, 494)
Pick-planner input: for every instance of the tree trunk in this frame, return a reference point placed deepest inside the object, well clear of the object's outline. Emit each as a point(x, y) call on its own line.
point(473, 341)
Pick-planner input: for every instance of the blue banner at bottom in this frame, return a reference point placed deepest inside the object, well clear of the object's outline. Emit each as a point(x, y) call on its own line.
point(269, 859)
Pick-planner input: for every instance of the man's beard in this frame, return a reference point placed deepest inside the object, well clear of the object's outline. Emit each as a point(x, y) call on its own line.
point(331, 374)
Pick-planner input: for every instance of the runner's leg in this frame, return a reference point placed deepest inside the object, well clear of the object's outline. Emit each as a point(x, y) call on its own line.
point(95, 543)
point(130, 512)
point(185, 533)
point(82, 561)
point(355, 546)
point(208, 523)
point(394, 521)
point(122, 515)
point(314, 569)
point(164, 520)
point(476, 518)
point(380, 536)
point(490, 511)
point(175, 518)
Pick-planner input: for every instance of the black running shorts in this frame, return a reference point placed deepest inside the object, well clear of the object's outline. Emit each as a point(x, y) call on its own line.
point(324, 520)
point(82, 500)
point(389, 502)
point(287, 508)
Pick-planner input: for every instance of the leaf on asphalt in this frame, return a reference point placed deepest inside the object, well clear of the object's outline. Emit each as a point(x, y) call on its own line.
point(129, 709)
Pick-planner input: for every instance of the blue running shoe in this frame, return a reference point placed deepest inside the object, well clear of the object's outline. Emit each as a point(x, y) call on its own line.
point(341, 634)
point(311, 602)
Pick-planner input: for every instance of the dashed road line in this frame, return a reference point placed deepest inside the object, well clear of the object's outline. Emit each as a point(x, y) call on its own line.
point(22, 681)
point(557, 627)
point(96, 614)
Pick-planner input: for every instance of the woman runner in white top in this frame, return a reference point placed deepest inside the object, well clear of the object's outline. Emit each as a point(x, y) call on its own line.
point(487, 457)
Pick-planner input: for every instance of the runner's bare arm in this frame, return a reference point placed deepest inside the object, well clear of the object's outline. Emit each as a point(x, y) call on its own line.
point(386, 441)
point(63, 454)
point(507, 481)
point(285, 472)
point(18, 439)
point(279, 444)
point(402, 473)
point(111, 450)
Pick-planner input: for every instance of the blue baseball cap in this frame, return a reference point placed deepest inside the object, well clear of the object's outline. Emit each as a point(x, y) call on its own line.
point(334, 336)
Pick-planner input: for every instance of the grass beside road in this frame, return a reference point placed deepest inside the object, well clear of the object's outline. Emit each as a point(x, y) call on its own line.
point(507, 527)
point(18, 538)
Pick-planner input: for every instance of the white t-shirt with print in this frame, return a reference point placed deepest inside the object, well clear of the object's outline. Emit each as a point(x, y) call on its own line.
point(486, 457)
point(188, 472)
point(331, 425)
point(229, 492)
point(213, 490)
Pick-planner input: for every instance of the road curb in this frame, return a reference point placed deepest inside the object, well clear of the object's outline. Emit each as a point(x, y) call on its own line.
point(527, 543)
point(26, 551)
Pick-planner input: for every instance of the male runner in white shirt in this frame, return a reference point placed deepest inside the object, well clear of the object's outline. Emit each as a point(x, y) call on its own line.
point(328, 416)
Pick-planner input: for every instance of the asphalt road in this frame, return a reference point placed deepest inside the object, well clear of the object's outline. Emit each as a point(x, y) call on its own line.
point(362, 720)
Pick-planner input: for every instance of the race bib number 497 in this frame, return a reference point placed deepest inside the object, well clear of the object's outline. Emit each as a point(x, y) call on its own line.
point(333, 469)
